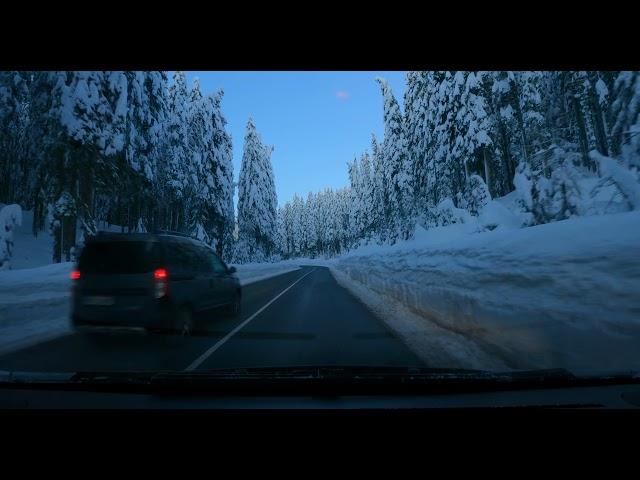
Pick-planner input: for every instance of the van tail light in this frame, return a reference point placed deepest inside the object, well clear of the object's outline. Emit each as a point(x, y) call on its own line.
point(75, 275)
point(161, 280)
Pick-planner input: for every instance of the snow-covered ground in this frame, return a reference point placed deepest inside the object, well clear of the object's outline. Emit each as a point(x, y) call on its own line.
point(564, 294)
point(34, 304)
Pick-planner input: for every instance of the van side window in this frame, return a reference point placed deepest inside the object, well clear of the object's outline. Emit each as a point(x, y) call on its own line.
point(197, 261)
point(218, 266)
point(204, 263)
point(155, 254)
point(183, 257)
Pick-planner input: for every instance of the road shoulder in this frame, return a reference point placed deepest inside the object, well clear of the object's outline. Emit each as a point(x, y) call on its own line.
point(435, 346)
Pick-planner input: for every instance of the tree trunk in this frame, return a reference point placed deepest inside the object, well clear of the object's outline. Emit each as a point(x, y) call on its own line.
point(508, 158)
point(582, 131)
point(37, 214)
point(521, 124)
point(487, 171)
point(69, 237)
point(598, 119)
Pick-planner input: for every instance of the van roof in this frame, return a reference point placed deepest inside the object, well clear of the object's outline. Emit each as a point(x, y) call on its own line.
point(105, 236)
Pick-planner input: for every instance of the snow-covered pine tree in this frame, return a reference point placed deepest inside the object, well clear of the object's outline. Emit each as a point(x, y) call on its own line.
point(523, 101)
point(45, 144)
point(10, 217)
point(323, 222)
point(297, 225)
point(137, 171)
point(281, 233)
point(476, 194)
point(14, 117)
point(419, 127)
point(287, 231)
point(446, 170)
point(219, 178)
point(491, 166)
point(329, 213)
point(530, 88)
point(367, 198)
point(507, 155)
point(398, 169)
point(257, 202)
point(380, 192)
point(312, 212)
point(356, 208)
point(199, 141)
point(624, 118)
point(473, 138)
point(271, 200)
point(138, 122)
point(145, 144)
point(91, 109)
point(48, 144)
point(179, 158)
point(308, 228)
point(345, 238)
point(580, 132)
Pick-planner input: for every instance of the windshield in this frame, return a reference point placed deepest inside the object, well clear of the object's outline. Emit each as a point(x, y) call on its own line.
point(470, 220)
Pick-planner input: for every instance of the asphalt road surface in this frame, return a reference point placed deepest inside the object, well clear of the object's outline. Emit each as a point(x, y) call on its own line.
point(301, 318)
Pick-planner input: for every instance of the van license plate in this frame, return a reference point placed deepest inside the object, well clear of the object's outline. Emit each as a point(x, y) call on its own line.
point(101, 301)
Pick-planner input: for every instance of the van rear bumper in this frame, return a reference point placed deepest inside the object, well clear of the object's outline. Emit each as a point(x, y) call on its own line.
point(159, 316)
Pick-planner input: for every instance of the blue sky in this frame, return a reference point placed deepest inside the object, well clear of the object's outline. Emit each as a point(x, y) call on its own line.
point(317, 121)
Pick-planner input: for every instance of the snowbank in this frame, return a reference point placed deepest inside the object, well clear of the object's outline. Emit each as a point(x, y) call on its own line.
point(563, 294)
point(254, 272)
point(34, 304)
point(621, 177)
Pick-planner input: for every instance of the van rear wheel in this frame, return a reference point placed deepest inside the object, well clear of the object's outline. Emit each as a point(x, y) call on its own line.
point(90, 336)
point(236, 306)
point(184, 321)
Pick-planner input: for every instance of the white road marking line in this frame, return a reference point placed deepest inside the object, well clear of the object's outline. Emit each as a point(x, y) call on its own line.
point(198, 361)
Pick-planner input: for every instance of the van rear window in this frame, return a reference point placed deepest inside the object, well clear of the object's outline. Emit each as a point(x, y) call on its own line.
point(119, 257)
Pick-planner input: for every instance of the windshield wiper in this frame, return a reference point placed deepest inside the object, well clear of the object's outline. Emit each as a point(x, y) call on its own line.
point(356, 379)
point(314, 380)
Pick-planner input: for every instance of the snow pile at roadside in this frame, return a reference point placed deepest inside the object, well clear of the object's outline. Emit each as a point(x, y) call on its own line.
point(34, 302)
point(254, 272)
point(564, 294)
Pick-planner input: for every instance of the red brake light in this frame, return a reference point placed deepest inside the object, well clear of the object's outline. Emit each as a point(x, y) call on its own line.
point(75, 275)
point(161, 277)
point(160, 274)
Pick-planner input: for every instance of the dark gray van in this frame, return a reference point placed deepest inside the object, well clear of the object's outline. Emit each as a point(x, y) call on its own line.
point(161, 282)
